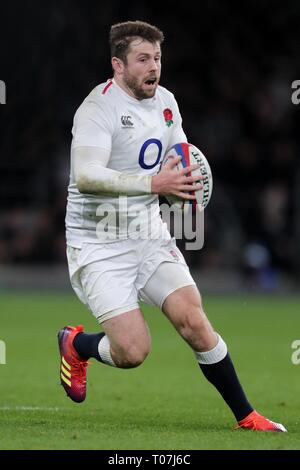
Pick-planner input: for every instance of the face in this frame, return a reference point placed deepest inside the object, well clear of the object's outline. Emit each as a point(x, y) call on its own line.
point(140, 76)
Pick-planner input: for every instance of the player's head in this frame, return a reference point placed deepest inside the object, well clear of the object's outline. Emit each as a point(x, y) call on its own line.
point(136, 57)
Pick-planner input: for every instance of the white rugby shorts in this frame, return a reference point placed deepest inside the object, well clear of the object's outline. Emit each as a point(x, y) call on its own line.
point(111, 278)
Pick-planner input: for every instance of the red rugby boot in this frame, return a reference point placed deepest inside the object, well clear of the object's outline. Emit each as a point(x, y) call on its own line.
point(256, 422)
point(72, 366)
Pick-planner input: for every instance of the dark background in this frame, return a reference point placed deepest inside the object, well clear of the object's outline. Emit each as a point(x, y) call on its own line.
point(230, 67)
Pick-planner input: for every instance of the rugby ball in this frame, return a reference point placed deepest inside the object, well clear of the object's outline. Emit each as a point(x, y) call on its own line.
point(191, 155)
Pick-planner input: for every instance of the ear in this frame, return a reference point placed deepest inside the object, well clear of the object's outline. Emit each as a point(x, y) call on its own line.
point(117, 65)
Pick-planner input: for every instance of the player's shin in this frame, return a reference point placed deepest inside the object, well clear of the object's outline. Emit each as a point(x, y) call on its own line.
point(218, 368)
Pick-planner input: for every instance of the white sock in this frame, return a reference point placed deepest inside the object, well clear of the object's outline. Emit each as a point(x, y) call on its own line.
point(104, 351)
point(214, 355)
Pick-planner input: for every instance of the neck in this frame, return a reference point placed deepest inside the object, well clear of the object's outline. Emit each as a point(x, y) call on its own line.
point(124, 87)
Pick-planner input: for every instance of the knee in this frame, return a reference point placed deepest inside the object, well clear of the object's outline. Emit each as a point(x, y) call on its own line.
point(132, 355)
point(196, 329)
point(195, 322)
point(190, 316)
point(135, 356)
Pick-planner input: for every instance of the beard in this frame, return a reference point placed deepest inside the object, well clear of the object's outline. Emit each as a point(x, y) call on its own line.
point(137, 89)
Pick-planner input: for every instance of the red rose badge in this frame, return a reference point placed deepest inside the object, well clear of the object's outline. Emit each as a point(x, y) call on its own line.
point(168, 115)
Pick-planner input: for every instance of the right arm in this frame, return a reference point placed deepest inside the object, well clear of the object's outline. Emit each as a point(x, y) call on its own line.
point(93, 177)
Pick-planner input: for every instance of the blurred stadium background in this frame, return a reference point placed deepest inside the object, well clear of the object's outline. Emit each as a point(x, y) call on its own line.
point(231, 69)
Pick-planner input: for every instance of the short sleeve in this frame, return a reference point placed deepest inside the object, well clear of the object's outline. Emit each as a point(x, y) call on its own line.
point(92, 126)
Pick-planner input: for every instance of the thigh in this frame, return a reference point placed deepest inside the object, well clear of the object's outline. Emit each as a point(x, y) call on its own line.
point(106, 274)
point(155, 252)
point(109, 292)
point(167, 278)
point(127, 330)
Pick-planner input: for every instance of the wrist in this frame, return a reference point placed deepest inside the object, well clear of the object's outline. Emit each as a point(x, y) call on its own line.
point(154, 187)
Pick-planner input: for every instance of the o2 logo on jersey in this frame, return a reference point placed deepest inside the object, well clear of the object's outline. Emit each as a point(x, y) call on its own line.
point(145, 145)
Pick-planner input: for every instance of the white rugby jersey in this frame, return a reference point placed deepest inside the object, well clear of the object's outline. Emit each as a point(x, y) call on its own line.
point(137, 134)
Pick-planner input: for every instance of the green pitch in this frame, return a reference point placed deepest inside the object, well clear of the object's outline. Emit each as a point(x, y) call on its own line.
point(164, 404)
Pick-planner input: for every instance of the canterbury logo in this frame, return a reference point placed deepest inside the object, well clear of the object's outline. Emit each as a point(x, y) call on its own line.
point(126, 121)
point(65, 373)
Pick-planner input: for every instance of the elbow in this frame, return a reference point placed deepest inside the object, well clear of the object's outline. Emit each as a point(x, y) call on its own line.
point(82, 184)
point(87, 183)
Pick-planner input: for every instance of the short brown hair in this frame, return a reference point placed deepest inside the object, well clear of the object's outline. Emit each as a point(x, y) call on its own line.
point(122, 34)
